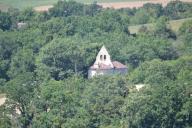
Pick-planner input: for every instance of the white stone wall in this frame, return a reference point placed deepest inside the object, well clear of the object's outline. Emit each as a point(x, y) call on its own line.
point(103, 57)
point(91, 73)
point(94, 72)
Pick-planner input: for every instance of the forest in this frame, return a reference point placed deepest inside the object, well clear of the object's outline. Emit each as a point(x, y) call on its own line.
point(44, 64)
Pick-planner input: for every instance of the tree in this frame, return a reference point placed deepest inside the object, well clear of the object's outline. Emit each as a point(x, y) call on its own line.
point(163, 106)
point(92, 9)
point(58, 104)
point(5, 21)
point(158, 72)
point(23, 61)
point(140, 17)
point(27, 14)
point(177, 9)
point(154, 72)
point(161, 29)
point(185, 32)
point(5, 121)
point(63, 57)
point(154, 10)
point(20, 92)
point(66, 8)
point(145, 47)
point(8, 47)
point(103, 97)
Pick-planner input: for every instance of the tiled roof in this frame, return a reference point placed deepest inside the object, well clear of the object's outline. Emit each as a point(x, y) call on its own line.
point(117, 64)
point(92, 67)
point(101, 66)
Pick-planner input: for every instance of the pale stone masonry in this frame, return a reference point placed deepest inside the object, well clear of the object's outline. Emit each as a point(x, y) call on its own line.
point(104, 66)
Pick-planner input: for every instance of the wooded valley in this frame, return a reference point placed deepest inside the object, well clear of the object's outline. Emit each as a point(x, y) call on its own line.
point(45, 57)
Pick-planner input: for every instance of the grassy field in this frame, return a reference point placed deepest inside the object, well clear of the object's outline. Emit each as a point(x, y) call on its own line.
point(21, 4)
point(4, 7)
point(4, 4)
point(176, 24)
point(173, 25)
point(24, 3)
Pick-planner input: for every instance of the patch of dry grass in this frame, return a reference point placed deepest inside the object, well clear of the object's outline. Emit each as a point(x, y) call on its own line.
point(3, 7)
point(176, 24)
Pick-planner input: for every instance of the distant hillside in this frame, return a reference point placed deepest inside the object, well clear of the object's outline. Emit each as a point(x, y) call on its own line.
point(5, 4)
point(173, 24)
point(21, 4)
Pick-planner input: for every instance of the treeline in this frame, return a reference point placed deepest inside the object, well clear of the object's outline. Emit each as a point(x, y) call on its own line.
point(146, 14)
point(44, 64)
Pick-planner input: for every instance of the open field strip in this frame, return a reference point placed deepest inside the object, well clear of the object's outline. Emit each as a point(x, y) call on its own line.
point(120, 4)
point(135, 4)
point(21, 4)
point(44, 5)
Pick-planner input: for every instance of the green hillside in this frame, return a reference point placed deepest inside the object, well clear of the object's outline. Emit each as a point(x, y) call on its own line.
point(173, 24)
point(4, 4)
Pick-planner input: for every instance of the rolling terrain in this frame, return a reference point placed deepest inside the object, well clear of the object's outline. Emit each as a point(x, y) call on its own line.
point(44, 5)
point(173, 25)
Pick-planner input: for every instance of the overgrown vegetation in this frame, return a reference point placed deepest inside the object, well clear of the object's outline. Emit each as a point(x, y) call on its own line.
point(44, 64)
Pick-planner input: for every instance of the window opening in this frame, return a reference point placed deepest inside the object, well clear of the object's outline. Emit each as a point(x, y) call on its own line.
point(105, 57)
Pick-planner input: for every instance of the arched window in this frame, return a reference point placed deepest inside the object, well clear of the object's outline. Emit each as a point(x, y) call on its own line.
point(105, 57)
point(101, 57)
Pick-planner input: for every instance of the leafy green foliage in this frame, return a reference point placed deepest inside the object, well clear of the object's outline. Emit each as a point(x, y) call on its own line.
point(5, 21)
point(23, 61)
point(145, 47)
point(20, 92)
point(161, 29)
point(186, 32)
point(56, 104)
point(103, 101)
point(64, 8)
point(159, 107)
point(8, 47)
point(43, 68)
point(161, 72)
point(62, 58)
point(177, 9)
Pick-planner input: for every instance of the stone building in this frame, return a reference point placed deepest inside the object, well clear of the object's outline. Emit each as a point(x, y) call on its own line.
point(104, 66)
point(21, 25)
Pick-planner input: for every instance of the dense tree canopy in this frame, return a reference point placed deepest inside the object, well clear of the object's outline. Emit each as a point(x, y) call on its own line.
point(44, 65)
point(5, 19)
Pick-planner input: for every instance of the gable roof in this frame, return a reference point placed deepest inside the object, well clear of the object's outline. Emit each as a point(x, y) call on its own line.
point(101, 66)
point(103, 61)
point(118, 65)
point(103, 48)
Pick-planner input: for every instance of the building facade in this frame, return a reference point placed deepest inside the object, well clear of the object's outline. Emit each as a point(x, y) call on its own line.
point(104, 66)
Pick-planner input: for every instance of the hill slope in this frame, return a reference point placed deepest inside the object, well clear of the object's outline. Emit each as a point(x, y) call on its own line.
point(173, 25)
point(4, 4)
